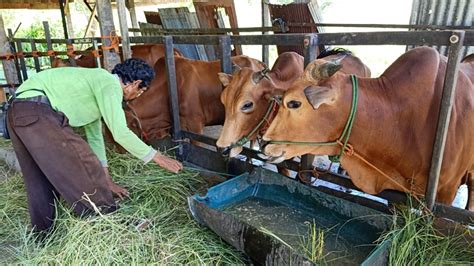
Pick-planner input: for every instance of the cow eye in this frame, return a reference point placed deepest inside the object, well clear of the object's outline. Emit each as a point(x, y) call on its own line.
point(293, 104)
point(247, 106)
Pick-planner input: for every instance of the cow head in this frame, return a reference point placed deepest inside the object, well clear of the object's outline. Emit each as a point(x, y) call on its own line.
point(246, 100)
point(311, 111)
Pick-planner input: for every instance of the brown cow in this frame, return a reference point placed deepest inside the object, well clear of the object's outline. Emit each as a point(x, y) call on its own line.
point(394, 126)
point(150, 53)
point(199, 90)
point(247, 101)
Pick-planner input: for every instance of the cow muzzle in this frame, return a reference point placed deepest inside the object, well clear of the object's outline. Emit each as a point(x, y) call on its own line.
point(224, 151)
point(271, 157)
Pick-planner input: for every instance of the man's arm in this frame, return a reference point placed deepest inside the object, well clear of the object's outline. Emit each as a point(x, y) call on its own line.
point(95, 139)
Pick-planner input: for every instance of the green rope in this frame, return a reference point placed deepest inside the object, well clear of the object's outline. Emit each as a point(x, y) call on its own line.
point(344, 138)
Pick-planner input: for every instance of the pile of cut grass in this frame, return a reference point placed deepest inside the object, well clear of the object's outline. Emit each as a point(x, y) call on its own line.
point(416, 241)
point(153, 226)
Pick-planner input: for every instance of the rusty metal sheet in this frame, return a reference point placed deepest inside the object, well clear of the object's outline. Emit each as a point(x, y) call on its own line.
point(296, 13)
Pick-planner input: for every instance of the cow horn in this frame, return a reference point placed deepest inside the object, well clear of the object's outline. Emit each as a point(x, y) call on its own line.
point(258, 76)
point(325, 70)
point(235, 68)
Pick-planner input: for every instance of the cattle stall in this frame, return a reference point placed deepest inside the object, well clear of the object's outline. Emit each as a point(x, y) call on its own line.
point(455, 40)
point(212, 162)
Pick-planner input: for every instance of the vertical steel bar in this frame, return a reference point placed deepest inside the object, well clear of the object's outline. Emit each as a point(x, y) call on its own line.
point(96, 48)
point(172, 86)
point(225, 52)
point(310, 44)
point(122, 14)
point(265, 20)
point(49, 44)
point(22, 60)
point(35, 59)
point(13, 51)
point(449, 88)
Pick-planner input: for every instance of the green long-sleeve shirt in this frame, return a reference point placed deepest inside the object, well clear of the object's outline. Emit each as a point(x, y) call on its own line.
point(85, 96)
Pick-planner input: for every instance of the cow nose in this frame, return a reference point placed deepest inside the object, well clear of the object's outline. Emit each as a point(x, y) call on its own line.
point(224, 151)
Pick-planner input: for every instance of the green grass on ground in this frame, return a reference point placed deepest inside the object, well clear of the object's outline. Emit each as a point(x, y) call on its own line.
point(153, 226)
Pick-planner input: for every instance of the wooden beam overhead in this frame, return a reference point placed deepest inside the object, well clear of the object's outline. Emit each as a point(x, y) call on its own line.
point(53, 4)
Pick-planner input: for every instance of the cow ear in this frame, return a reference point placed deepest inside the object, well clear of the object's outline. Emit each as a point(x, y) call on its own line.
point(224, 78)
point(320, 95)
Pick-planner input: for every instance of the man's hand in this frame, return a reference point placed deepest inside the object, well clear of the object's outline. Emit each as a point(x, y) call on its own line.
point(167, 163)
point(116, 189)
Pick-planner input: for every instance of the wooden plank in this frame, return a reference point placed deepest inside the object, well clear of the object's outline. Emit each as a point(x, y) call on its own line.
point(107, 29)
point(49, 44)
point(35, 59)
point(9, 69)
point(126, 50)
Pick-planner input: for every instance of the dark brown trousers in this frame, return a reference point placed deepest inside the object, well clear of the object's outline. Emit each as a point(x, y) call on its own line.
point(55, 161)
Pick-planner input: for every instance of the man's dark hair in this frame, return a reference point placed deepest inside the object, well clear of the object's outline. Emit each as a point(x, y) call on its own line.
point(134, 69)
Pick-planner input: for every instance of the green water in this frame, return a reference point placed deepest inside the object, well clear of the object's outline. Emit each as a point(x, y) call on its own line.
point(344, 242)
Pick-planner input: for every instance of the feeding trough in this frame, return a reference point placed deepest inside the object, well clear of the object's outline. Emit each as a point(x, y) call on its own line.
point(274, 219)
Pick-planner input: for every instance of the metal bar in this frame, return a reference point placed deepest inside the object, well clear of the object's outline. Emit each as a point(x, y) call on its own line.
point(47, 35)
point(35, 59)
point(13, 51)
point(172, 86)
point(97, 59)
point(310, 44)
point(265, 20)
point(447, 100)
point(303, 24)
point(355, 38)
point(188, 31)
point(386, 26)
point(225, 54)
point(63, 17)
point(126, 50)
point(22, 60)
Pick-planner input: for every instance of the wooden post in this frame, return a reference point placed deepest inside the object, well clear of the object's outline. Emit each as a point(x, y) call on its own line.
point(24, 71)
point(35, 59)
point(172, 86)
point(49, 44)
point(127, 52)
point(11, 75)
point(67, 11)
point(225, 53)
point(13, 51)
point(106, 21)
point(63, 18)
point(133, 15)
point(265, 20)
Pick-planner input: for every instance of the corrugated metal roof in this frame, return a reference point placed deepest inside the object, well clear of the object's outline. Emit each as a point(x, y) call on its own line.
point(444, 13)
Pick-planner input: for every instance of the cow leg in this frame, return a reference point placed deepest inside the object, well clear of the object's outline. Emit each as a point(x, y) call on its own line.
point(470, 186)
